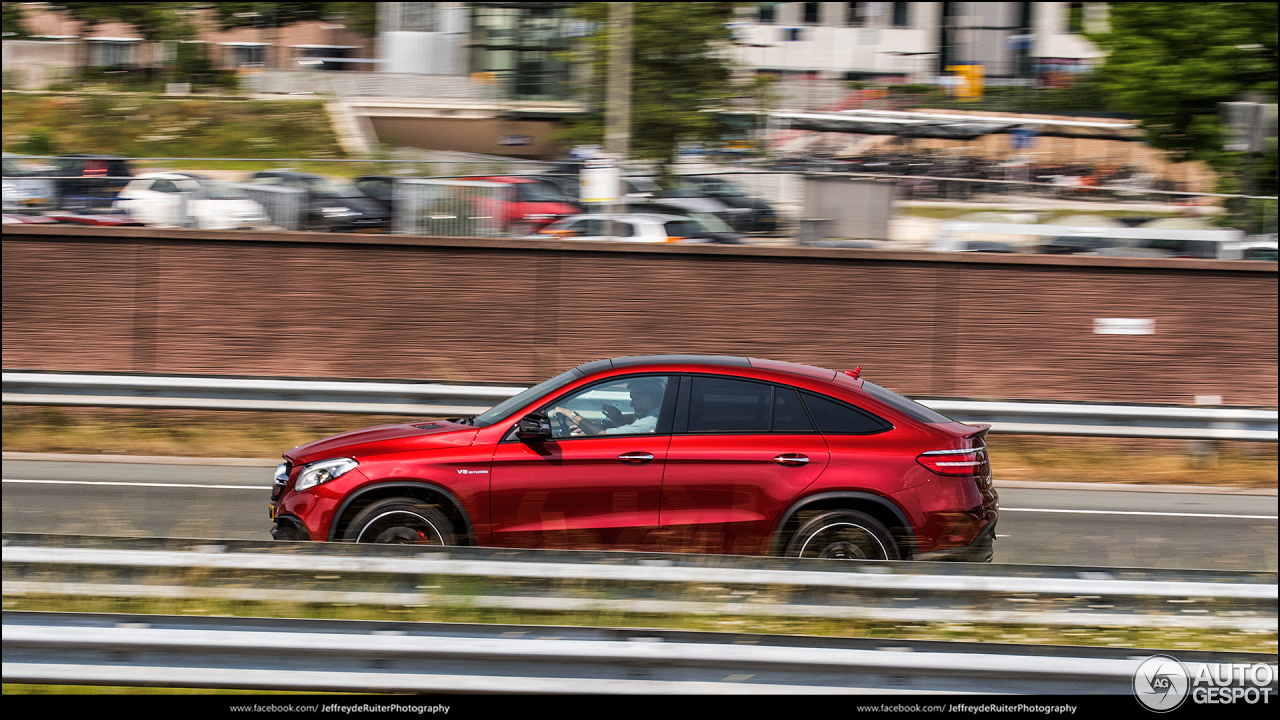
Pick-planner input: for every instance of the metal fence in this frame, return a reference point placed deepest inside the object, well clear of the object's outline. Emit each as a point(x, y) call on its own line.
point(450, 207)
point(286, 207)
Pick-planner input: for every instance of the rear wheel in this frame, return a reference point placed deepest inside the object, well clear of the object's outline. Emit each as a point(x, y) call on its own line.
point(843, 535)
point(402, 521)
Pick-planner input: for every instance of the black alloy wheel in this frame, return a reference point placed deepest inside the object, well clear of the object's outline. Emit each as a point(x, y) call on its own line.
point(843, 535)
point(401, 521)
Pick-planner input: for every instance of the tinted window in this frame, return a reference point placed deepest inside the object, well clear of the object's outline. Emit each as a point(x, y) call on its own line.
point(788, 413)
point(906, 405)
point(723, 405)
point(834, 417)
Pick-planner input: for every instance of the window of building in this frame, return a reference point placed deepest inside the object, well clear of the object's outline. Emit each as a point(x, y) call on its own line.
point(902, 14)
point(767, 12)
point(855, 14)
point(811, 13)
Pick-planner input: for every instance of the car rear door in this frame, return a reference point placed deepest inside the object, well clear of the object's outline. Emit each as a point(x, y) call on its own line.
point(741, 451)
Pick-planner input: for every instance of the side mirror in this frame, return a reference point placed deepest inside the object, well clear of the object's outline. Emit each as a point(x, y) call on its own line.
point(534, 426)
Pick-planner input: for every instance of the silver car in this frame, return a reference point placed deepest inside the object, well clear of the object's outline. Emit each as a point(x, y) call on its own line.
point(639, 227)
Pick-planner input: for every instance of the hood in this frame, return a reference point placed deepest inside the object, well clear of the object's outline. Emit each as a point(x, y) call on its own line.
point(421, 435)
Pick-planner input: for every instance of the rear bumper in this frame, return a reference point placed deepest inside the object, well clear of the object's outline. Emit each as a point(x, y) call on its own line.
point(982, 549)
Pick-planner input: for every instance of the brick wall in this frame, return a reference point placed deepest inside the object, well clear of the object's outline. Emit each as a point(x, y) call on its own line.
point(300, 304)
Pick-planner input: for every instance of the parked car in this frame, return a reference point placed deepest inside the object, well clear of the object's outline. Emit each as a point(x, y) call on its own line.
point(16, 219)
point(90, 182)
point(28, 186)
point(169, 199)
point(333, 204)
point(532, 204)
point(379, 188)
point(642, 227)
point(684, 453)
point(1257, 247)
point(760, 216)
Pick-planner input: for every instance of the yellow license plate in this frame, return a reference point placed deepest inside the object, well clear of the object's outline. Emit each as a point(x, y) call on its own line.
point(273, 513)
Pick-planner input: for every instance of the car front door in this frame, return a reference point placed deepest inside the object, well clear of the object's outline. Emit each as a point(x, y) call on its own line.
point(740, 452)
point(597, 489)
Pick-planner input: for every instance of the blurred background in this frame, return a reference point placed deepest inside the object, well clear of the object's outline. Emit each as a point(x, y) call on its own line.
point(1024, 201)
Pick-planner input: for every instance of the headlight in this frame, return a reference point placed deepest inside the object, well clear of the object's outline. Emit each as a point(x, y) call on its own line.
point(323, 471)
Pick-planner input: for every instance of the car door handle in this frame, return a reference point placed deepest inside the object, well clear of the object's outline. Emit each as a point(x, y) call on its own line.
point(636, 457)
point(791, 459)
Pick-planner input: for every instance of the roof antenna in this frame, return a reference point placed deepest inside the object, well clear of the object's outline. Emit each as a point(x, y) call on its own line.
point(854, 372)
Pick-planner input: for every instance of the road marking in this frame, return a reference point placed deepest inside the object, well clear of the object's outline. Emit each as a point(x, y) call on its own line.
point(1141, 512)
point(264, 488)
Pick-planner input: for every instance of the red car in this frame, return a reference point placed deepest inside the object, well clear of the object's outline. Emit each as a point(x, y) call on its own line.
point(672, 453)
point(532, 204)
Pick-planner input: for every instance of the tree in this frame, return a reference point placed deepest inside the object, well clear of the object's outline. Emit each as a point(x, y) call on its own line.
point(13, 18)
point(1170, 64)
point(676, 73)
point(155, 21)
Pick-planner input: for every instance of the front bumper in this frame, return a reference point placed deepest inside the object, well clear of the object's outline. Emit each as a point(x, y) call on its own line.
point(982, 549)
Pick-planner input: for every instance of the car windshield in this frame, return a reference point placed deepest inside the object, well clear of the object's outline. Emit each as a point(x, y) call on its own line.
point(331, 188)
point(503, 410)
point(905, 404)
point(538, 192)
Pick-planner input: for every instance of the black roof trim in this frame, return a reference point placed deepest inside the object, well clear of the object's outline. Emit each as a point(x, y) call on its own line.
point(680, 360)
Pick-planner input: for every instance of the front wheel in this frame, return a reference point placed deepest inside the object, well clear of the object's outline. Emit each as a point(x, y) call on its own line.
point(401, 521)
point(843, 535)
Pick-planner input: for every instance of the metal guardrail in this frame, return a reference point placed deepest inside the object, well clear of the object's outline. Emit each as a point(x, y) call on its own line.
point(643, 583)
point(361, 656)
point(443, 400)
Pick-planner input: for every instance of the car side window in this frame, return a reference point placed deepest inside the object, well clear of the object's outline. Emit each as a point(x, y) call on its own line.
point(164, 186)
point(836, 418)
point(788, 412)
point(626, 406)
point(728, 405)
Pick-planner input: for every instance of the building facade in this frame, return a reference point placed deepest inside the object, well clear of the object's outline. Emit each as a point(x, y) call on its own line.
point(1015, 43)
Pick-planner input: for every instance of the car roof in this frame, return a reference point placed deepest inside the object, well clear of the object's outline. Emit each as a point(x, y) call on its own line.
point(712, 360)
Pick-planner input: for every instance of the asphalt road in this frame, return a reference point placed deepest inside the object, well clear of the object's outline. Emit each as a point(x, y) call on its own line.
point(1094, 526)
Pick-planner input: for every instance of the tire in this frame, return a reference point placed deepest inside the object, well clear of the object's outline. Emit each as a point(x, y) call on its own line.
point(403, 521)
point(843, 535)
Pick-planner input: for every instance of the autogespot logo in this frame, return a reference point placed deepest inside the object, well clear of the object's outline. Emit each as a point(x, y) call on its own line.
point(1161, 683)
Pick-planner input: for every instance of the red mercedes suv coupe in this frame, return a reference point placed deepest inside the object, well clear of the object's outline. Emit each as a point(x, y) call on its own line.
point(666, 453)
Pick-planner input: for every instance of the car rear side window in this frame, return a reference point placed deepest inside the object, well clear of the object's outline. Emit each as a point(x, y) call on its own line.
point(837, 418)
point(724, 405)
point(906, 405)
point(788, 413)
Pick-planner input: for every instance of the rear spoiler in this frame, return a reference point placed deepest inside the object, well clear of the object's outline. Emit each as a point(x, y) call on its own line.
point(978, 432)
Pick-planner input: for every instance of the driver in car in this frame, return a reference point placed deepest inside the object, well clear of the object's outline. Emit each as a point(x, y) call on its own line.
point(646, 400)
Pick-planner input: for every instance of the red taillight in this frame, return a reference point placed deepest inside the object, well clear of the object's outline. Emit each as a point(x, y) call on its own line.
point(970, 461)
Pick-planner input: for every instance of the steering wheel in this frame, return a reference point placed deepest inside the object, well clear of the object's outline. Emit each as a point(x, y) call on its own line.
point(566, 427)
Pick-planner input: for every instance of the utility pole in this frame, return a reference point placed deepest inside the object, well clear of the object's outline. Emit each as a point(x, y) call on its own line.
point(617, 114)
